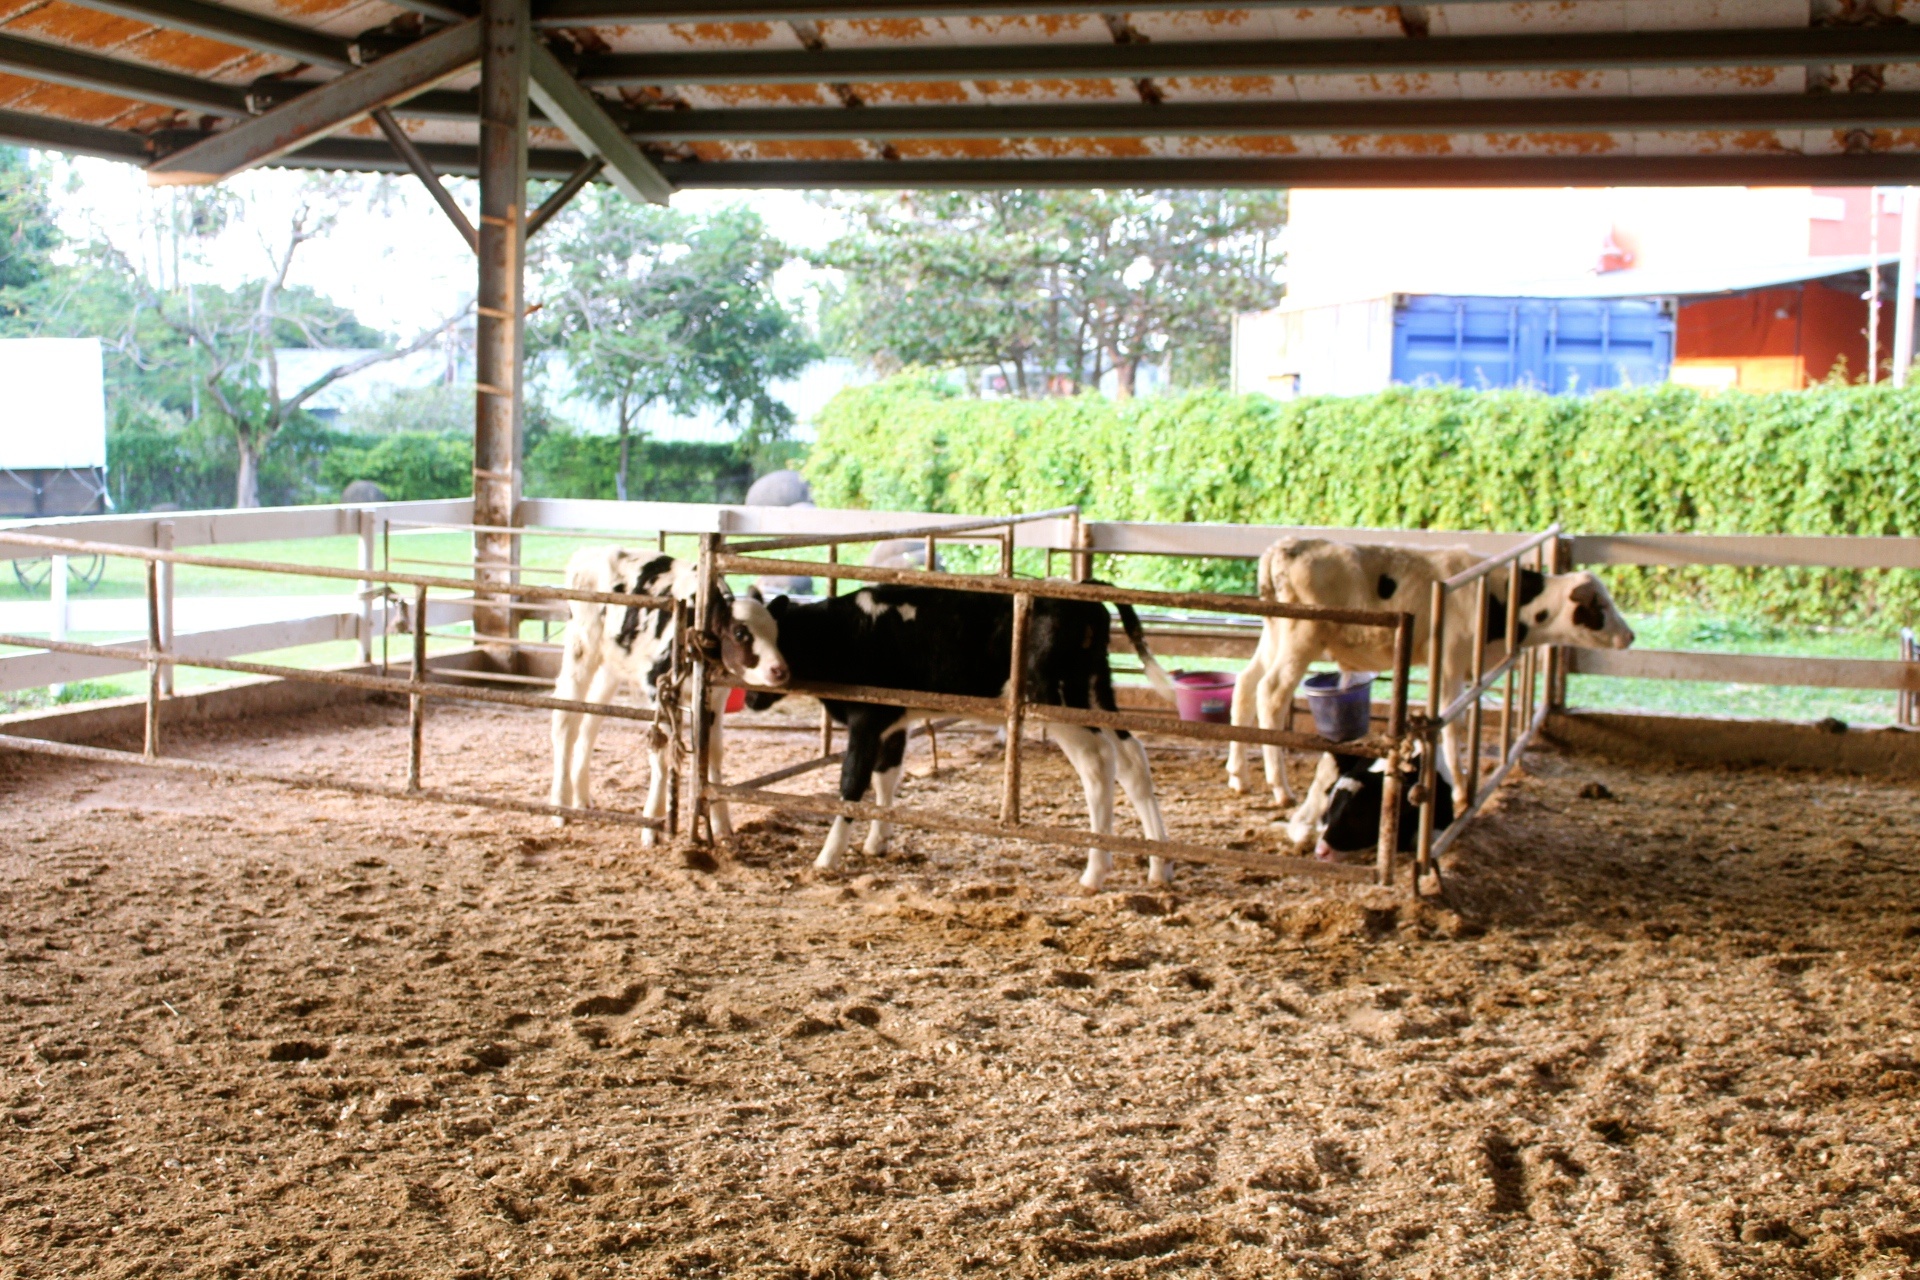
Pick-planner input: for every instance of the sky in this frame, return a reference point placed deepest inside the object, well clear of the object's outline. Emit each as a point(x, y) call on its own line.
point(392, 256)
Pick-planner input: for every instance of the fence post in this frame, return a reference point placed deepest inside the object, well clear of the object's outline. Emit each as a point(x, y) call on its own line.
point(1016, 709)
point(1557, 656)
point(826, 718)
point(702, 819)
point(1476, 669)
point(57, 606)
point(368, 544)
point(1389, 845)
point(153, 660)
point(1513, 652)
point(163, 539)
point(1430, 767)
point(417, 703)
point(1082, 555)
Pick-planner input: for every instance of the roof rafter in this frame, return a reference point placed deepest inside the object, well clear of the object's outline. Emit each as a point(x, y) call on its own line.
point(576, 13)
point(1791, 46)
point(1570, 112)
point(57, 64)
point(322, 109)
point(236, 27)
point(584, 119)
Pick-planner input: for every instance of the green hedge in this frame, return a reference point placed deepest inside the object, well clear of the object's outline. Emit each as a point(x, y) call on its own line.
point(1833, 460)
point(569, 464)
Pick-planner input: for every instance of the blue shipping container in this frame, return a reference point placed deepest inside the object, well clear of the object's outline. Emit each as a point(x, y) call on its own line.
point(1562, 346)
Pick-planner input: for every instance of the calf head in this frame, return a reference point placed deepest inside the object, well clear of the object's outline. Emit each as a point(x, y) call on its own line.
point(1568, 608)
point(750, 641)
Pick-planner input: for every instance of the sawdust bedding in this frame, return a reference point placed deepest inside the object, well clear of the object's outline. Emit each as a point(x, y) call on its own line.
point(255, 1032)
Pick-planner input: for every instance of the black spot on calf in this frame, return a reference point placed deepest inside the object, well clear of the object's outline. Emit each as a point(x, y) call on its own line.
point(1387, 586)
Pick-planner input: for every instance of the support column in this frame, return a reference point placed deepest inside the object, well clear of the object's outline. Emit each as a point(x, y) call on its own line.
point(501, 305)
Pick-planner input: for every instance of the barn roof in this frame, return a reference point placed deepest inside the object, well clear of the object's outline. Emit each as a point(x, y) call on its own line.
point(918, 93)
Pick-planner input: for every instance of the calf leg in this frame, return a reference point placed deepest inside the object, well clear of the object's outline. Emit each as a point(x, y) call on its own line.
point(605, 683)
point(886, 779)
point(1246, 686)
point(1306, 819)
point(717, 810)
point(856, 774)
point(1130, 758)
point(578, 669)
point(1091, 755)
point(1275, 695)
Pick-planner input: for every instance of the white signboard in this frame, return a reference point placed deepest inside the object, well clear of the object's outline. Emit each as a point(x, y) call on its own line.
point(53, 404)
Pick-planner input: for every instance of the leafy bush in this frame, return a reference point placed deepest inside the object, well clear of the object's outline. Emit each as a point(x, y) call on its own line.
point(570, 464)
point(407, 465)
point(152, 460)
point(1832, 460)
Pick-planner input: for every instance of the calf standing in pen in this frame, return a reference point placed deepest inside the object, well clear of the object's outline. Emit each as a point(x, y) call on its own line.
point(595, 662)
point(1556, 608)
point(939, 640)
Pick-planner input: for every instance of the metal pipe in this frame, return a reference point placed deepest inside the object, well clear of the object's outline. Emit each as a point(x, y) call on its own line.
point(417, 703)
point(1513, 646)
point(1429, 773)
point(1476, 666)
point(936, 820)
point(532, 591)
point(1402, 675)
point(1513, 553)
point(1016, 697)
point(1389, 843)
point(153, 663)
point(563, 194)
point(797, 541)
point(215, 769)
point(57, 583)
point(1203, 601)
point(1006, 553)
point(403, 146)
point(368, 521)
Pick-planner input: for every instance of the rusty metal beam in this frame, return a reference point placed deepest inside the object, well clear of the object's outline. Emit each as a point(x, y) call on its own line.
point(566, 191)
point(585, 121)
point(404, 147)
point(236, 27)
point(24, 129)
point(56, 64)
point(1790, 169)
point(323, 109)
point(1291, 118)
point(1396, 55)
point(574, 13)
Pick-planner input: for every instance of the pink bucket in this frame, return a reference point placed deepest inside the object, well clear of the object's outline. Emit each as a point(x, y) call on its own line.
point(1204, 695)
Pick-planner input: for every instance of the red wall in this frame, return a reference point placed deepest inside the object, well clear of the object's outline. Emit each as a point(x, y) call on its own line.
point(1811, 322)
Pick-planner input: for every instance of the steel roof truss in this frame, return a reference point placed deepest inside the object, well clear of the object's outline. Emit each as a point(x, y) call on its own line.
point(585, 121)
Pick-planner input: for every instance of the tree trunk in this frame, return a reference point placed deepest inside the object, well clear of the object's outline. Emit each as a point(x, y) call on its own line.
point(620, 476)
point(1123, 371)
point(247, 481)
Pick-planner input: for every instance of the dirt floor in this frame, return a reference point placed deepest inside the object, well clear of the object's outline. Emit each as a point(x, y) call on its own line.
point(253, 1032)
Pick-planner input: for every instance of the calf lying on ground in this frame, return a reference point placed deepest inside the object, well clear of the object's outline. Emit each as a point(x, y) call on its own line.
point(1556, 608)
point(938, 640)
point(595, 661)
point(1341, 813)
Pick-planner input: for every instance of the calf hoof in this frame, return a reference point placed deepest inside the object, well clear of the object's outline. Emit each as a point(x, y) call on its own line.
point(649, 838)
point(1160, 875)
point(1236, 784)
point(876, 848)
point(559, 820)
point(1282, 796)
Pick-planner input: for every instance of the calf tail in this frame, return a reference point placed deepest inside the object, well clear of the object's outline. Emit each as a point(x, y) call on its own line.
point(1156, 675)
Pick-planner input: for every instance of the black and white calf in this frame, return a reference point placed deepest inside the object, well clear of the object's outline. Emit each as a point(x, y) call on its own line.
point(597, 660)
point(1341, 813)
point(938, 640)
point(1555, 608)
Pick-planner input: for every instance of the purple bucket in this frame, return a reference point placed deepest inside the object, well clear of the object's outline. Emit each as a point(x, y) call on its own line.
point(1204, 695)
point(1341, 702)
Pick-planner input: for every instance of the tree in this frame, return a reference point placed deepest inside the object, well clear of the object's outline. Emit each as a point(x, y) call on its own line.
point(232, 336)
point(28, 236)
point(1054, 289)
point(647, 305)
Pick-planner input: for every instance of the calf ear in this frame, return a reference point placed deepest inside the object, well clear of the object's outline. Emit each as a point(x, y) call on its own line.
point(753, 593)
point(1588, 612)
point(777, 607)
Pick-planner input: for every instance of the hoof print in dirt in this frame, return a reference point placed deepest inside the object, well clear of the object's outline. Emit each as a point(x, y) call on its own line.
point(1147, 904)
point(696, 859)
point(486, 1057)
point(296, 1051)
point(1596, 791)
point(864, 1014)
point(804, 1028)
point(1194, 980)
point(1072, 979)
